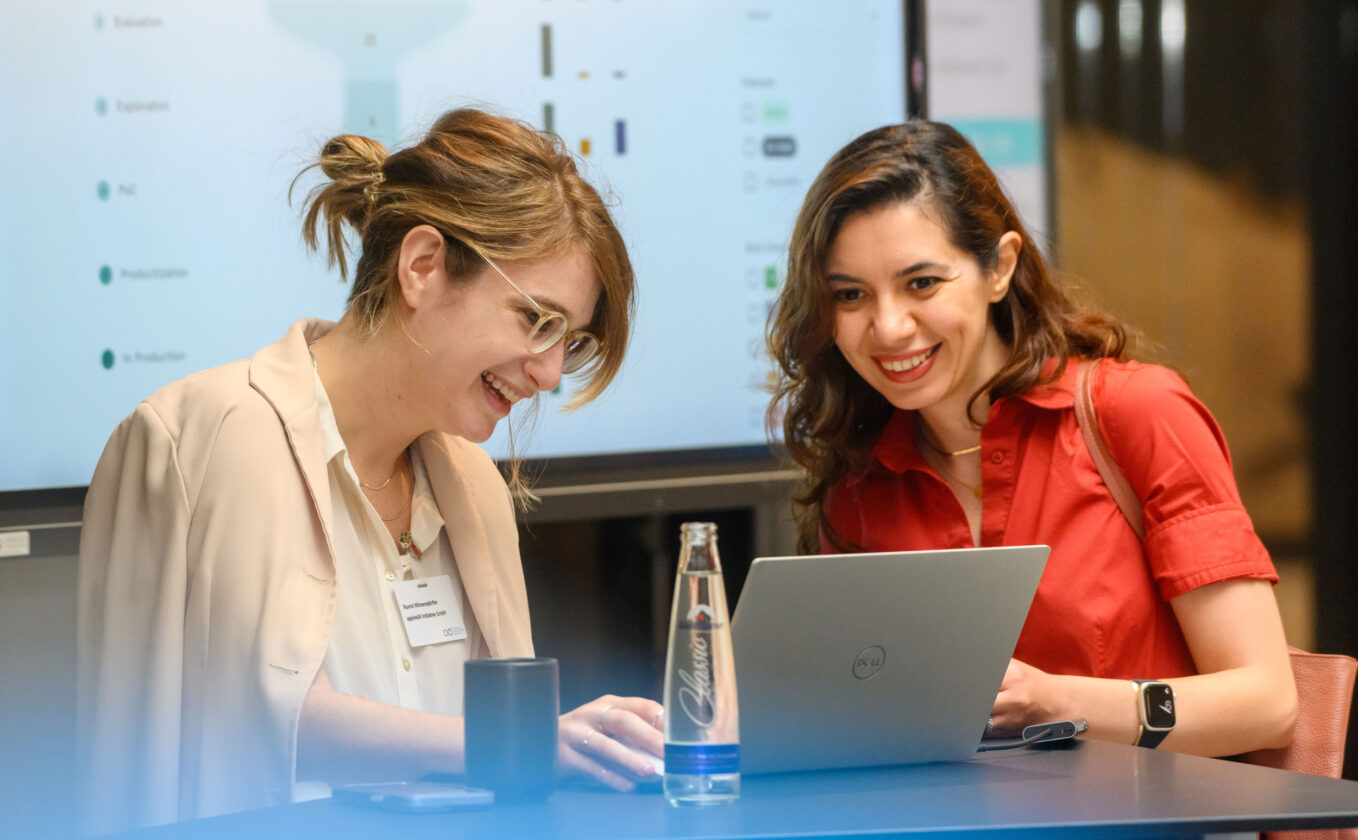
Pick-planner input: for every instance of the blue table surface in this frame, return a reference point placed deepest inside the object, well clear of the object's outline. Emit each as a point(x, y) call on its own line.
point(1090, 789)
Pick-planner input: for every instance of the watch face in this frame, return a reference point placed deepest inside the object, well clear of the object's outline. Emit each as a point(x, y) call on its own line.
point(1159, 698)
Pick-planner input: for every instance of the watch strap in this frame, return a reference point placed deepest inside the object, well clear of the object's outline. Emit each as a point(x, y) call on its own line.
point(1150, 737)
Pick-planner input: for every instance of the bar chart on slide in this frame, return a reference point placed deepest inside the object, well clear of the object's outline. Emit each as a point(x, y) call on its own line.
point(605, 139)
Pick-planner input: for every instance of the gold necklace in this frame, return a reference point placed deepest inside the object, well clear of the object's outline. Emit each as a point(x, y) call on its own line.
point(967, 451)
point(395, 515)
point(384, 484)
point(405, 543)
point(977, 490)
point(393, 475)
point(399, 464)
point(940, 450)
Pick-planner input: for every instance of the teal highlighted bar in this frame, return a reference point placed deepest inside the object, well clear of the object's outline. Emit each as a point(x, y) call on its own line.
point(775, 111)
point(1005, 142)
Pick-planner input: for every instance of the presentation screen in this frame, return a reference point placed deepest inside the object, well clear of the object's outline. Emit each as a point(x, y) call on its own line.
point(146, 150)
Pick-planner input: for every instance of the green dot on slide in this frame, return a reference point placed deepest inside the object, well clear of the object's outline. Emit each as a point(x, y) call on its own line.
point(103, 190)
point(105, 275)
point(100, 106)
point(108, 360)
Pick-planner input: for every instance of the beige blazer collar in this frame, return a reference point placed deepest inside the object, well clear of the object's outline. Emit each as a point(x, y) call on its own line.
point(467, 535)
point(283, 374)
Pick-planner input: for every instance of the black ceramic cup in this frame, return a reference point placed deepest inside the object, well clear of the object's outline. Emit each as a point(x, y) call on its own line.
point(511, 709)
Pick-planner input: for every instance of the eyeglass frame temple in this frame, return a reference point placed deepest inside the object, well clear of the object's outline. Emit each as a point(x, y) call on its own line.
point(515, 286)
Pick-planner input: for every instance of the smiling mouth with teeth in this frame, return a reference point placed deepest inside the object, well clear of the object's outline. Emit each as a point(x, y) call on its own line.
point(500, 388)
point(911, 363)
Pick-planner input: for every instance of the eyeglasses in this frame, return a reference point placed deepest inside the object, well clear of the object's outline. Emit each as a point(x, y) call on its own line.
point(550, 327)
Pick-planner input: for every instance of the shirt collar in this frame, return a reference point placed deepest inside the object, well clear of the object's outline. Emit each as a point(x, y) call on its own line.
point(895, 448)
point(425, 519)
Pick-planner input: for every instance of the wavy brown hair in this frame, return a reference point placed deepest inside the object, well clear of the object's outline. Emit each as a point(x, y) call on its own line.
point(830, 416)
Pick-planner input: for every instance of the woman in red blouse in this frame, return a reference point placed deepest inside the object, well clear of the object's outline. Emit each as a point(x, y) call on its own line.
point(927, 372)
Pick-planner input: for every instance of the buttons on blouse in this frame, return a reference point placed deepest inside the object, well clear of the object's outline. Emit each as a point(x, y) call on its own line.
point(391, 575)
point(997, 457)
point(405, 663)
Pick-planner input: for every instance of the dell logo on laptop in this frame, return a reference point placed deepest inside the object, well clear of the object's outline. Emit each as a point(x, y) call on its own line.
point(868, 662)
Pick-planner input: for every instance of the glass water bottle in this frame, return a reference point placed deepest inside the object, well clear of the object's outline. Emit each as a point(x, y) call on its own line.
point(702, 724)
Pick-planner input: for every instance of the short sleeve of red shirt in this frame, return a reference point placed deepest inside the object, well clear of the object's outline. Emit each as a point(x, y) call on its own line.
point(1173, 453)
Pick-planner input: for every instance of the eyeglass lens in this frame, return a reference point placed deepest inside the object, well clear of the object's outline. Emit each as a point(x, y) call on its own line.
point(546, 331)
point(550, 329)
point(579, 350)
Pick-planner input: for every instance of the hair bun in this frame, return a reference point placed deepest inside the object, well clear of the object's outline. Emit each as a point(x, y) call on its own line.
point(353, 161)
point(354, 166)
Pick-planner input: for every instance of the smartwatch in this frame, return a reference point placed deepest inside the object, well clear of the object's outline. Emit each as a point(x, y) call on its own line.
point(1155, 708)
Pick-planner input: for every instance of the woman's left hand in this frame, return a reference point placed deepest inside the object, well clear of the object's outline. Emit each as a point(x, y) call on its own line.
point(1026, 697)
point(612, 740)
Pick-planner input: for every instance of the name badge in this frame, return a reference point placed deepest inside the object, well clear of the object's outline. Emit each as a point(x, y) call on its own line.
point(430, 610)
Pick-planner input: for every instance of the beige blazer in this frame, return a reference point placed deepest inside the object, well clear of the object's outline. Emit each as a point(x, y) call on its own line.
point(207, 587)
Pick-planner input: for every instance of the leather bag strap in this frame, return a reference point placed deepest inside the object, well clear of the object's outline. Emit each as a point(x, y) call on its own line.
point(1088, 420)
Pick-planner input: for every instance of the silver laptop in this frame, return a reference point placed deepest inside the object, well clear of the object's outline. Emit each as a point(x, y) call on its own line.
point(861, 659)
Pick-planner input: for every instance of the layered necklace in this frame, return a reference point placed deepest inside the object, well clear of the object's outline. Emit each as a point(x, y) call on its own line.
point(403, 468)
point(405, 542)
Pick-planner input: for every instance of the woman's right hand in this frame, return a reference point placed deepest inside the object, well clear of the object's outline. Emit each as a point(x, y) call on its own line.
point(612, 740)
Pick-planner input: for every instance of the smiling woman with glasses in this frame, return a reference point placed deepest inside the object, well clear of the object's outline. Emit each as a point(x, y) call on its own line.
point(251, 530)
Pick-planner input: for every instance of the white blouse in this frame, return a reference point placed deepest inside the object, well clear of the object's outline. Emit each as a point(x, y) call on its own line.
point(370, 653)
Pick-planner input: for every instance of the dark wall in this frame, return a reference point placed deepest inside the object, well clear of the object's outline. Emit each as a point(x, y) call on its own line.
point(1244, 67)
point(1331, 102)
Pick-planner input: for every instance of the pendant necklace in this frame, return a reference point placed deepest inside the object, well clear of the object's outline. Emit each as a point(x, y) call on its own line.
point(405, 542)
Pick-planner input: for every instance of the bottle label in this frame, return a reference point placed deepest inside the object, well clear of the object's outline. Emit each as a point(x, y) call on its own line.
point(702, 759)
point(696, 697)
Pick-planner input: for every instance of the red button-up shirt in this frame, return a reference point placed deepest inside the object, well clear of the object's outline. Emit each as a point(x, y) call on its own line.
point(1102, 607)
